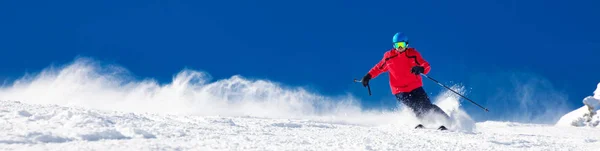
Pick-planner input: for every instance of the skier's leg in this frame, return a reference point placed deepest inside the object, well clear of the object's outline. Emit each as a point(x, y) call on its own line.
point(418, 96)
point(446, 119)
point(421, 97)
point(407, 99)
point(438, 110)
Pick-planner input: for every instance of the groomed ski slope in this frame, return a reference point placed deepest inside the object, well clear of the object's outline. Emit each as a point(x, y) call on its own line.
point(86, 105)
point(51, 127)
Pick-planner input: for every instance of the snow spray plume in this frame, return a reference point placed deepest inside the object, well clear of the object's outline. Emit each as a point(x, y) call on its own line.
point(90, 84)
point(522, 97)
point(87, 83)
point(457, 93)
point(450, 103)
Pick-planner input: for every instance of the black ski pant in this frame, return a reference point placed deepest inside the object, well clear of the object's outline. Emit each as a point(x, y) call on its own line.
point(418, 101)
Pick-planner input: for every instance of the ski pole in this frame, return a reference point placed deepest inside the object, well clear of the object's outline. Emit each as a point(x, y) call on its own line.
point(368, 86)
point(486, 110)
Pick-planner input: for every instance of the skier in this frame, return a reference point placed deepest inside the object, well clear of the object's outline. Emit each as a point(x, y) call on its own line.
point(405, 65)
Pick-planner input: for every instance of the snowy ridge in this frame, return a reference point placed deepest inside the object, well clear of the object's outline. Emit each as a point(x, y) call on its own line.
point(587, 115)
point(51, 127)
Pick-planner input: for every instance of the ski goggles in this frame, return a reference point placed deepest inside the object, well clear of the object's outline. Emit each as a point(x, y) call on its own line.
point(402, 44)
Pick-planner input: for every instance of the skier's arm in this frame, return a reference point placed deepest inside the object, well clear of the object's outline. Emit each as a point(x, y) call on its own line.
point(423, 62)
point(378, 68)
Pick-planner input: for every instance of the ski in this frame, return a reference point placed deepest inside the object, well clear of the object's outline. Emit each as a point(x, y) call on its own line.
point(441, 128)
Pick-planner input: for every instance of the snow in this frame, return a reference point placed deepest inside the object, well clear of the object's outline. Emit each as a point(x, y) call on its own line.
point(51, 127)
point(587, 115)
point(86, 105)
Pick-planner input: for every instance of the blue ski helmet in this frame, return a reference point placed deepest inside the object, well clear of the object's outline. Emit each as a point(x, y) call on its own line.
point(398, 37)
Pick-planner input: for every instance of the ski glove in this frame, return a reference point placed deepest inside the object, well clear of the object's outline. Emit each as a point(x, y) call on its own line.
point(417, 70)
point(365, 80)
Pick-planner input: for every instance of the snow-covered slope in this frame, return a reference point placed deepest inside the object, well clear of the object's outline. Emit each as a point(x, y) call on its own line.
point(90, 106)
point(51, 127)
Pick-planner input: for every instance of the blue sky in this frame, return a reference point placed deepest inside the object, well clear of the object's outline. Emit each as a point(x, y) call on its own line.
point(493, 48)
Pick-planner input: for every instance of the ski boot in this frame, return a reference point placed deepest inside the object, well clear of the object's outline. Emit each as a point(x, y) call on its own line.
point(420, 126)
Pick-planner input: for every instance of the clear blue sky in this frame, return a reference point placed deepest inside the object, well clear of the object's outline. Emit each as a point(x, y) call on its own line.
point(321, 45)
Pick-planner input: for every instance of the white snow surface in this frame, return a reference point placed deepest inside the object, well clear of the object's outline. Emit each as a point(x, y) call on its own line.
point(86, 105)
point(52, 127)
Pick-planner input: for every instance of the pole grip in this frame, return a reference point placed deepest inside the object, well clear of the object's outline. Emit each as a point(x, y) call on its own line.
point(368, 86)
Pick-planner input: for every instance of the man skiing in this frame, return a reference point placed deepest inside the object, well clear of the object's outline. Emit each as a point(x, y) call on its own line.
point(405, 65)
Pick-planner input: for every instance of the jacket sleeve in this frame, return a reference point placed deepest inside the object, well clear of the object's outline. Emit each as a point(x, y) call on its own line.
point(378, 68)
point(422, 62)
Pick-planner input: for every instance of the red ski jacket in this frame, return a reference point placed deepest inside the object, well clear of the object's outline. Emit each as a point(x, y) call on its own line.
point(399, 65)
